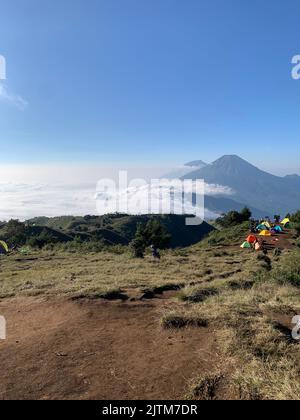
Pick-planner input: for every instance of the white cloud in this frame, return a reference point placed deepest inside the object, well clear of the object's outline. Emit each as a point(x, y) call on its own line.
point(7, 96)
point(160, 198)
point(215, 190)
point(69, 189)
point(23, 201)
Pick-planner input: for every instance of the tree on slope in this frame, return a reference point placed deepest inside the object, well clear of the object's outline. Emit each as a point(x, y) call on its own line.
point(233, 218)
point(153, 233)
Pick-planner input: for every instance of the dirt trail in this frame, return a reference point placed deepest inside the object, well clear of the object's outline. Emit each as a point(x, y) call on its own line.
point(62, 349)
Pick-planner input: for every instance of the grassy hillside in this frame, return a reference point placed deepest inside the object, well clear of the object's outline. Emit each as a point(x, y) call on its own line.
point(228, 237)
point(120, 229)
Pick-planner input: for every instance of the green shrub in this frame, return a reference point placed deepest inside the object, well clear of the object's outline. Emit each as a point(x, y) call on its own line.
point(233, 218)
point(44, 238)
point(295, 219)
point(15, 233)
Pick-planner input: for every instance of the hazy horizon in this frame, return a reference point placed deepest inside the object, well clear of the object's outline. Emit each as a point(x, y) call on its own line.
point(143, 86)
point(60, 189)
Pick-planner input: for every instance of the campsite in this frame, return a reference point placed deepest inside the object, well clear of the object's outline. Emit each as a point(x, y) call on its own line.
point(105, 325)
point(264, 235)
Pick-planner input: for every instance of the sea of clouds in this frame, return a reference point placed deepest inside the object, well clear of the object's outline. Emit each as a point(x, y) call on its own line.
point(24, 201)
point(27, 200)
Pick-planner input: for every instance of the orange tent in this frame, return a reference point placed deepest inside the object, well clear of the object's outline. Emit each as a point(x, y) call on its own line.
point(252, 239)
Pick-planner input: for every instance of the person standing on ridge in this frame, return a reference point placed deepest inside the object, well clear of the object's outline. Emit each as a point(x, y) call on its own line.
point(155, 252)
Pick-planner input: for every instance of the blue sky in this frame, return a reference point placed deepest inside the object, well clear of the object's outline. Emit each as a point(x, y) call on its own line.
point(150, 81)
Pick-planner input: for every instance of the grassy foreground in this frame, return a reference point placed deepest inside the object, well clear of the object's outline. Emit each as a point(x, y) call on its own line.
point(81, 273)
point(246, 300)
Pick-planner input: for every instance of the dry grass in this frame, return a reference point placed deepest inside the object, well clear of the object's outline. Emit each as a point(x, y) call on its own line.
point(205, 386)
point(175, 319)
point(272, 380)
point(89, 274)
point(248, 305)
point(253, 329)
point(196, 294)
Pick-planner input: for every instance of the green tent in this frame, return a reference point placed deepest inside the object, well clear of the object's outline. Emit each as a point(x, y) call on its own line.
point(246, 245)
point(3, 247)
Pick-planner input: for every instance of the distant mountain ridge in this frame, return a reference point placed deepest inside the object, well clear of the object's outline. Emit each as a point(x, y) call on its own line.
point(185, 169)
point(251, 186)
point(196, 163)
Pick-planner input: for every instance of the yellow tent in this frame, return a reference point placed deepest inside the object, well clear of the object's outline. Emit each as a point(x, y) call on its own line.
point(285, 221)
point(265, 233)
point(267, 224)
point(3, 247)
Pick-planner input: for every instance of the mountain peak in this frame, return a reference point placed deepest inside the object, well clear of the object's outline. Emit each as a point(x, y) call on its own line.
point(185, 169)
point(230, 158)
point(252, 186)
point(232, 163)
point(196, 163)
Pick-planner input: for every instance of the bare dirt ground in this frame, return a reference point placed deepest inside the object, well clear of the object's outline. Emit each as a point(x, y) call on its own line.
point(65, 342)
point(94, 349)
point(280, 241)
